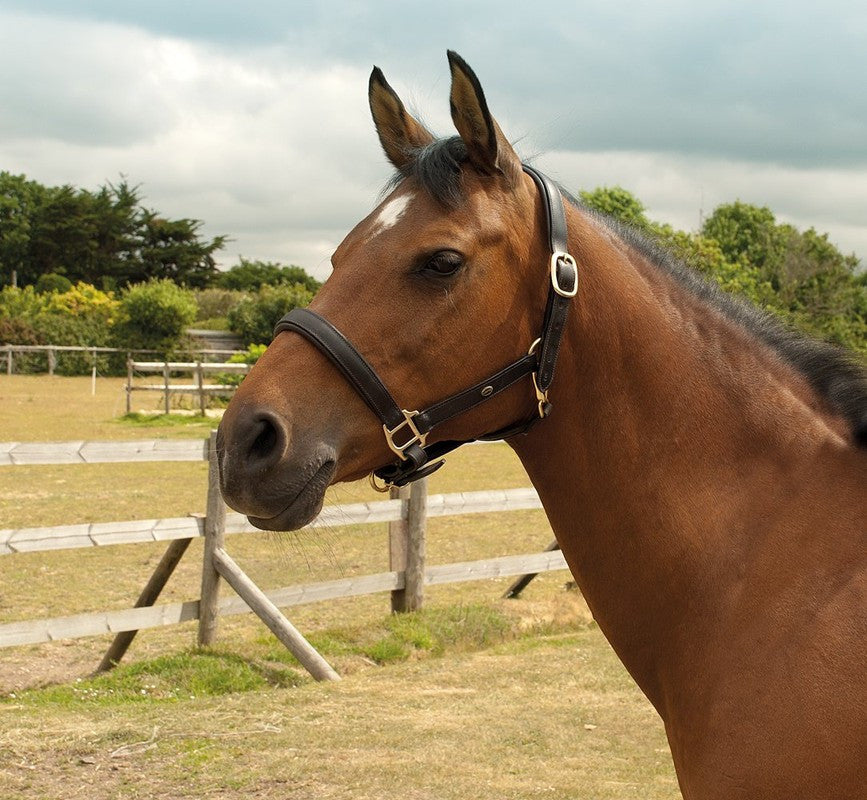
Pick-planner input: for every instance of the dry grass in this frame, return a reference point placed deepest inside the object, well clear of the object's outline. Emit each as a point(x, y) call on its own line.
point(39, 408)
point(501, 722)
point(555, 718)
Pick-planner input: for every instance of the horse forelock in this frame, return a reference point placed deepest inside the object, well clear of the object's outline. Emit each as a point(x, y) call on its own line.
point(437, 170)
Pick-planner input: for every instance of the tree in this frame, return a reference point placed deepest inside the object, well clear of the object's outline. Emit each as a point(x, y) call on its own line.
point(252, 275)
point(746, 231)
point(106, 238)
point(172, 249)
point(19, 199)
point(815, 286)
point(617, 203)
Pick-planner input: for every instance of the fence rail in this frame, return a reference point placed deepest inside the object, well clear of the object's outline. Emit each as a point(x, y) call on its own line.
point(9, 351)
point(197, 368)
point(100, 534)
point(408, 574)
point(81, 452)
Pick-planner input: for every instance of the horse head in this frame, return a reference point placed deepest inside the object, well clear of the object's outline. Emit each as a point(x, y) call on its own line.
point(435, 288)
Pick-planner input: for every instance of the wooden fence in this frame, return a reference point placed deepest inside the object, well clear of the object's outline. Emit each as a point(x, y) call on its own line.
point(406, 514)
point(8, 352)
point(167, 369)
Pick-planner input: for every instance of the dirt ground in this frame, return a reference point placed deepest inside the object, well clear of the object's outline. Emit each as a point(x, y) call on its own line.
point(555, 717)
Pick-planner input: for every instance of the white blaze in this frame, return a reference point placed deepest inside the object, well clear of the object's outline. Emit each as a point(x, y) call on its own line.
point(389, 214)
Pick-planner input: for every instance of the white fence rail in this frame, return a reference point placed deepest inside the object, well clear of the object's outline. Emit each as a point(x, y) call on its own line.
point(396, 512)
point(197, 369)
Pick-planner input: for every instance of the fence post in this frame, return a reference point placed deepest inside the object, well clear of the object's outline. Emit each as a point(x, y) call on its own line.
point(200, 380)
point(397, 544)
point(9, 360)
point(166, 383)
point(415, 545)
point(128, 383)
point(52, 360)
point(215, 530)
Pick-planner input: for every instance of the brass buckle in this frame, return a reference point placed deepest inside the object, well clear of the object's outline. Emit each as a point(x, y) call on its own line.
point(541, 397)
point(556, 258)
point(416, 438)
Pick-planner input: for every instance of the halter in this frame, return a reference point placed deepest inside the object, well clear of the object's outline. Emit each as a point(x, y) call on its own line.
point(406, 432)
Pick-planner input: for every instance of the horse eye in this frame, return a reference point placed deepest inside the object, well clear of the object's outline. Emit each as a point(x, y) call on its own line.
point(446, 262)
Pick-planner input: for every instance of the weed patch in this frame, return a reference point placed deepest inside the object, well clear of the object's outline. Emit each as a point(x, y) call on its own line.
point(139, 420)
point(431, 632)
point(181, 676)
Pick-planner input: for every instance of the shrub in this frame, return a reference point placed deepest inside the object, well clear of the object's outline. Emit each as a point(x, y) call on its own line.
point(82, 316)
point(15, 330)
point(53, 282)
point(215, 302)
point(251, 356)
point(153, 315)
point(22, 304)
point(83, 300)
point(252, 275)
point(255, 316)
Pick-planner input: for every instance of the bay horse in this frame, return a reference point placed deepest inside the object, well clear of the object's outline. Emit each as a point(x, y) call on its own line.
point(702, 467)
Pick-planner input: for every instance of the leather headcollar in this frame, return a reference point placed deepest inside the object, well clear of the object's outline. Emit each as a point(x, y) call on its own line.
point(405, 431)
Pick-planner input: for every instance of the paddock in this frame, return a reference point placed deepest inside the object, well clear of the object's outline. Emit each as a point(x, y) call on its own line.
point(428, 726)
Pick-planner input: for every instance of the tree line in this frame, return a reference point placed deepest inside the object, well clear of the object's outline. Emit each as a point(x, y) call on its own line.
point(106, 238)
point(800, 276)
point(99, 268)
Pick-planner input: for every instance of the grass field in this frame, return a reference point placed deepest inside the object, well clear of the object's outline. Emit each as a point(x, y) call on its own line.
point(474, 697)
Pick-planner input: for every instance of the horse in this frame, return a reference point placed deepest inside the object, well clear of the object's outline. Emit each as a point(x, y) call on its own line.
point(702, 467)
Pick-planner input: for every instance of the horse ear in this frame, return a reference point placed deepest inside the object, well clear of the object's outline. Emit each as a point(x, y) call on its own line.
point(398, 132)
point(487, 147)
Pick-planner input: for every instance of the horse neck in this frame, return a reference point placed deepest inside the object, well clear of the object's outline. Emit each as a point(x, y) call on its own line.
point(668, 426)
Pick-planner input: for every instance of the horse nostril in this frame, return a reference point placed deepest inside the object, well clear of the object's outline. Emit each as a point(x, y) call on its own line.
point(269, 439)
point(264, 443)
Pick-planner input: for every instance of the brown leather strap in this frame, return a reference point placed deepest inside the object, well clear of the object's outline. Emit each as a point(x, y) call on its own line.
point(339, 350)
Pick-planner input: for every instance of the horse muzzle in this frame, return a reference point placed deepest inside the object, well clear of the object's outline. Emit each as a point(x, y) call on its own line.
point(276, 479)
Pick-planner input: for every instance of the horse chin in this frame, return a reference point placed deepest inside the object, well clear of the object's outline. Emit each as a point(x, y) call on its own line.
point(304, 504)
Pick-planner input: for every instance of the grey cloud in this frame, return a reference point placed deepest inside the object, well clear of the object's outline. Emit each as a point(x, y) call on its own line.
point(735, 79)
point(255, 118)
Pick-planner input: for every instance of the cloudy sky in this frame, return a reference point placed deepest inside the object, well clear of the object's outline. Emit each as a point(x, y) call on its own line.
point(253, 116)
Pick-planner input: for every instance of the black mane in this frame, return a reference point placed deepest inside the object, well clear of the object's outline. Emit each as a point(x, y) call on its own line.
point(833, 372)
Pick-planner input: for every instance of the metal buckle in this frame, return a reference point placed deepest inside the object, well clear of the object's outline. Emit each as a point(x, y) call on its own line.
point(541, 397)
point(556, 258)
point(416, 438)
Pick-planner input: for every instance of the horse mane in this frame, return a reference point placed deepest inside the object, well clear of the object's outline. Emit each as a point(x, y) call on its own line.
point(835, 374)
